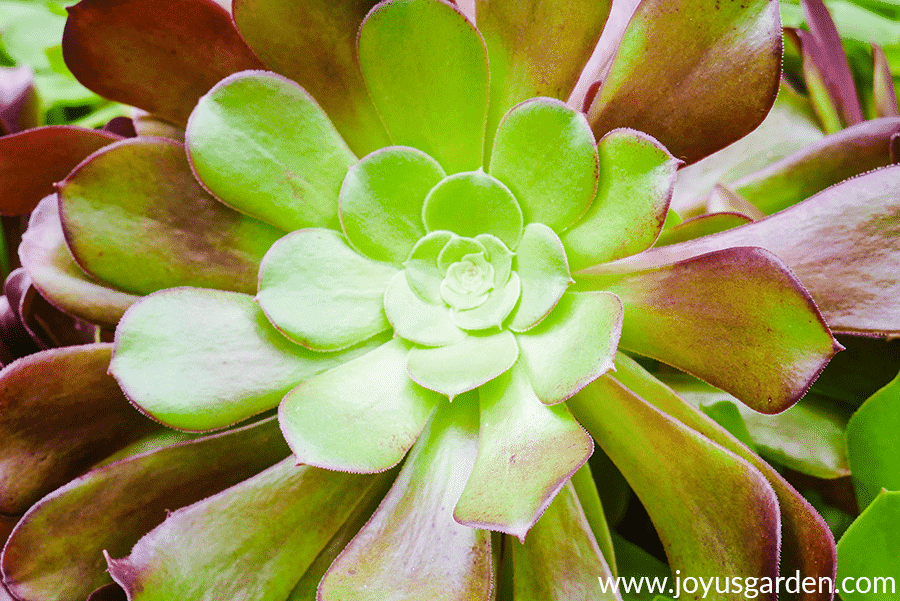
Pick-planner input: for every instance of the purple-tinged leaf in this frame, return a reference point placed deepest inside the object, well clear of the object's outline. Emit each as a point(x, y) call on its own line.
point(560, 559)
point(19, 102)
point(55, 431)
point(314, 43)
point(841, 243)
point(589, 498)
point(716, 514)
point(736, 318)
point(158, 55)
point(251, 541)
point(135, 217)
point(45, 324)
point(527, 451)
point(425, 66)
point(32, 161)
point(725, 200)
point(704, 225)
point(673, 73)
point(360, 417)
point(828, 54)
point(885, 96)
point(823, 102)
point(56, 551)
point(412, 547)
point(60, 280)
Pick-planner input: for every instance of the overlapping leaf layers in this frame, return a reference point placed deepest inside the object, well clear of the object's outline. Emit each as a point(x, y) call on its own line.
point(447, 264)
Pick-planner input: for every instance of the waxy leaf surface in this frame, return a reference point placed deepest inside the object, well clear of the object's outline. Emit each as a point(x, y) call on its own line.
point(56, 551)
point(161, 64)
point(135, 217)
point(412, 548)
point(674, 71)
point(869, 549)
point(381, 201)
point(321, 293)
point(360, 417)
point(262, 145)
point(636, 179)
point(53, 432)
point(545, 153)
point(45, 254)
point(526, 453)
point(417, 320)
point(542, 267)
point(426, 69)
point(872, 443)
point(572, 347)
point(32, 161)
point(251, 541)
point(314, 44)
point(202, 359)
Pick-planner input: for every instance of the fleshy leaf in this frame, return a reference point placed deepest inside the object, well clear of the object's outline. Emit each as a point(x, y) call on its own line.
point(314, 44)
point(560, 559)
point(542, 266)
point(736, 318)
point(545, 152)
point(525, 61)
point(725, 200)
point(674, 69)
point(32, 161)
point(381, 201)
point(585, 489)
point(872, 444)
point(274, 524)
point(412, 548)
point(417, 320)
point(262, 145)
point(56, 550)
point(464, 365)
point(456, 249)
point(425, 66)
point(500, 256)
point(161, 64)
point(885, 97)
point(636, 179)
point(703, 225)
point(867, 553)
point(574, 346)
point(201, 359)
point(46, 256)
point(820, 96)
point(526, 453)
point(474, 203)
point(135, 217)
point(494, 311)
point(840, 243)
point(423, 274)
point(53, 432)
point(321, 293)
point(717, 514)
point(360, 417)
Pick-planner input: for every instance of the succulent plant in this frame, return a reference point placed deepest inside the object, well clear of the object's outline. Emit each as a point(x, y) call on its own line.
point(452, 269)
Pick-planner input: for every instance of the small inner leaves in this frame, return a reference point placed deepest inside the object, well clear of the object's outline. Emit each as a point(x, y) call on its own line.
point(468, 282)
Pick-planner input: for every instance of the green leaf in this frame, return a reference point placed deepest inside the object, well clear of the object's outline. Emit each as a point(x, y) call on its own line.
point(59, 279)
point(572, 347)
point(494, 311)
point(560, 559)
point(589, 498)
point(135, 217)
point(736, 318)
point(359, 417)
point(57, 549)
point(161, 64)
point(219, 547)
point(417, 320)
point(203, 359)
point(425, 66)
point(526, 453)
point(717, 513)
point(867, 553)
point(542, 266)
point(321, 293)
point(545, 152)
point(314, 44)
point(423, 274)
point(381, 201)
point(261, 144)
point(54, 432)
point(872, 444)
point(464, 365)
point(500, 257)
point(412, 548)
point(456, 249)
point(703, 225)
point(674, 70)
point(884, 94)
point(636, 179)
point(474, 203)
